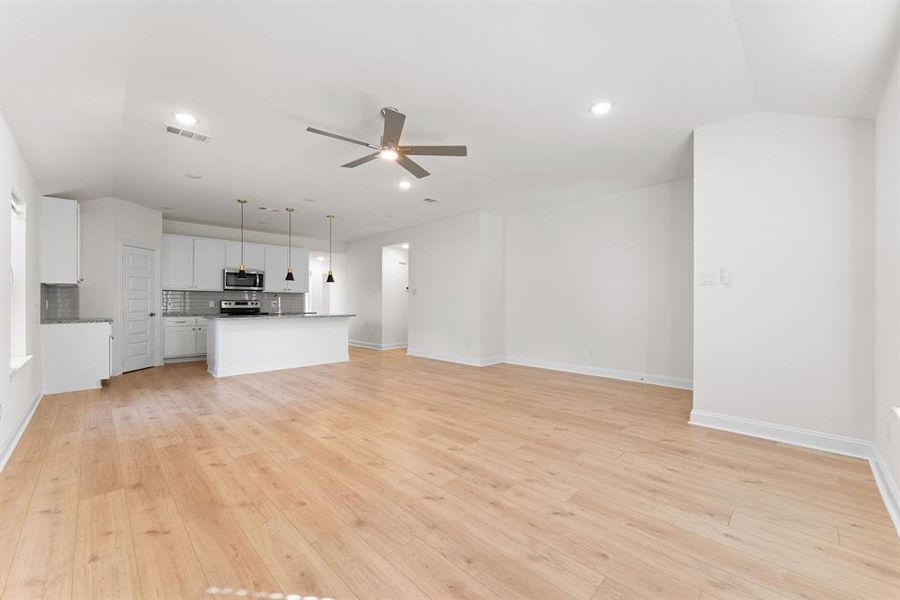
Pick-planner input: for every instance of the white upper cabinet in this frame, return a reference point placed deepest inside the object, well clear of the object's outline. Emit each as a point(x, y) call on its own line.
point(60, 241)
point(254, 256)
point(209, 261)
point(190, 263)
point(300, 264)
point(276, 268)
point(178, 262)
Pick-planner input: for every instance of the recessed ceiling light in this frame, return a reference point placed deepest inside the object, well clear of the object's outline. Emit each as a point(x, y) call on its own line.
point(186, 119)
point(405, 246)
point(601, 108)
point(404, 185)
point(389, 154)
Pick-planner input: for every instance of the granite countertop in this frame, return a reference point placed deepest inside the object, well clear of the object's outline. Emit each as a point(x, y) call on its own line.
point(277, 316)
point(84, 320)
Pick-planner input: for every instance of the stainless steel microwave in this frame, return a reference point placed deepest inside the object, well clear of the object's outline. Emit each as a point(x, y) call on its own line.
point(248, 280)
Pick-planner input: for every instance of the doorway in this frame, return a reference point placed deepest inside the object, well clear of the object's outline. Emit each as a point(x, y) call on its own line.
point(139, 296)
point(395, 296)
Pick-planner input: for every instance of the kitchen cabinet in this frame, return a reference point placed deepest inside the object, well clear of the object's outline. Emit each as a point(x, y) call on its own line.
point(74, 356)
point(177, 262)
point(254, 256)
point(276, 269)
point(60, 227)
point(184, 336)
point(190, 263)
point(209, 262)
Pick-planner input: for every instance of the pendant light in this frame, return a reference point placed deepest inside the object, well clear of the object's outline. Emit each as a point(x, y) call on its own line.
point(290, 273)
point(330, 278)
point(242, 202)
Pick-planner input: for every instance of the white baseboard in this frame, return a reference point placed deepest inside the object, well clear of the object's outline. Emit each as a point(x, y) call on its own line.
point(817, 440)
point(20, 429)
point(462, 360)
point(787, 434)
point(377, 346)
point(664, 380)
point(890, 492)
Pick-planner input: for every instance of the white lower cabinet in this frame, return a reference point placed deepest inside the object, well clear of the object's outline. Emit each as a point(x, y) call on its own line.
point(184, 336)
point(74, 356)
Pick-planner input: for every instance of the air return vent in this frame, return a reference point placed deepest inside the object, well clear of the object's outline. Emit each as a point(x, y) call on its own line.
point(186, 133)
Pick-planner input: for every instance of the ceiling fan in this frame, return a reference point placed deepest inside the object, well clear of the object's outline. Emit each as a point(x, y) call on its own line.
point(390, 148)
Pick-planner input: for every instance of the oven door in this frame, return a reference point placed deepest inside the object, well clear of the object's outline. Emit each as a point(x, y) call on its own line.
point(249, 280)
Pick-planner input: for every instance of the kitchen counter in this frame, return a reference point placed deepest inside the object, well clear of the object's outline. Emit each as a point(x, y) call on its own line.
point(238, 344)
point(84, 320)
point(277, 316)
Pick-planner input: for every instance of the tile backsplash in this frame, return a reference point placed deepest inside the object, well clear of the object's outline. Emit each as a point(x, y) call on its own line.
point(59, 301)
point(175, 302)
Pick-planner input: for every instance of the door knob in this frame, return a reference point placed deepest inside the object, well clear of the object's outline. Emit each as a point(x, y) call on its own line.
point(153, 314)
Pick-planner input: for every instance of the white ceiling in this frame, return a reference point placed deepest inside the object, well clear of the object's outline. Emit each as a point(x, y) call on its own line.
point(87, 86)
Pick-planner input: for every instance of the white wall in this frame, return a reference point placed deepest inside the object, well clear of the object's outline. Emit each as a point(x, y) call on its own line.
point(603, 286)
point(257, 237)
point(887, 276)
point(446, 296)
point(20, 391)
point(105, 224)
point(394, 296)
point(330, 297)
point(786, 203)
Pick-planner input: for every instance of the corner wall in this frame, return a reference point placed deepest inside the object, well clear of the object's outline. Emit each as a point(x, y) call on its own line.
point(887, 287)
point(20, 391)
point(785, 203)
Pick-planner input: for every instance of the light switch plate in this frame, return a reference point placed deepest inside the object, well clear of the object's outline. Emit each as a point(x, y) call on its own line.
point(708, 277)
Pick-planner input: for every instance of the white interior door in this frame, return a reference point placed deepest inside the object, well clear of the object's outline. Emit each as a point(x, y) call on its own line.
point(138, 301)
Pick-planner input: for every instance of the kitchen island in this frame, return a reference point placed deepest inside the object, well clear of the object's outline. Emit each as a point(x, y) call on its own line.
point(239, 344)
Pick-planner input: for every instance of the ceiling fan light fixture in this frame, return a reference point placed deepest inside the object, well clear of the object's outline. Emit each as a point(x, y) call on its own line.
point(601, 108)
point(389, 154)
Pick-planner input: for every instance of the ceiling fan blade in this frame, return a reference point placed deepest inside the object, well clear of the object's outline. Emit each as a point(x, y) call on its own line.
point(361, 161)
point(393, 126)
point(433, 150)
point(412, 167)
point(340, 137)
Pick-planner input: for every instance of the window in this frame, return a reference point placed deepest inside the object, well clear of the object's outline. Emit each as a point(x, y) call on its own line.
point(17, 322)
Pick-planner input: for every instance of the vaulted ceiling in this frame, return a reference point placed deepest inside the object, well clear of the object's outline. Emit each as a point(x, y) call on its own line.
point(87, 86)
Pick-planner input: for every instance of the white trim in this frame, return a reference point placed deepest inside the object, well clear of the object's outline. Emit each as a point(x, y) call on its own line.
point(17, 363)
point(462, 360)
point(17, 435)
point(796, 436)
point(663, 380)
point(377, 346)
point(890, 492)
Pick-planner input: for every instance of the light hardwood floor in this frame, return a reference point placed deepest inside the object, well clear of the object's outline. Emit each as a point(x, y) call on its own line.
point(392, 477)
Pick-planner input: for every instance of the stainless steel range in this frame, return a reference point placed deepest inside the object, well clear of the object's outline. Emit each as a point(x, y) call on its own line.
point(240, 307)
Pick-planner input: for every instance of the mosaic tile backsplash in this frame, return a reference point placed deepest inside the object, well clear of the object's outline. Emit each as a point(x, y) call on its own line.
point(59, 301)
point(198, 303)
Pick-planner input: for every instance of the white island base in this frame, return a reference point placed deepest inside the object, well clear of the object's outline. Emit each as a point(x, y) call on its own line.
point(254, 343)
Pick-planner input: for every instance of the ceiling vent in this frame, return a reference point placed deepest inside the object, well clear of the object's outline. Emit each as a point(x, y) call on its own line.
point(431, 200)
point(186, 133)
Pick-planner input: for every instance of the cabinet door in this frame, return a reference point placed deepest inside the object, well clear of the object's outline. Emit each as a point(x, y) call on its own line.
point(276, 268)
point(180, 341)
point(177, 262)
point(60, 245)
point(209, 260)
point(254, 256)
point(200, 344)
point(300, 264)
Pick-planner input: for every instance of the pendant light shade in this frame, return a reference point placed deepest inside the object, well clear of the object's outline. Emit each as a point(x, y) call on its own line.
point(242, 202)
point(330, 278)
point(290, 273)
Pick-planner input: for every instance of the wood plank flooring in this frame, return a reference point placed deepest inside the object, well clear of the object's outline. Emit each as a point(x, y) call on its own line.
point(393, 477)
